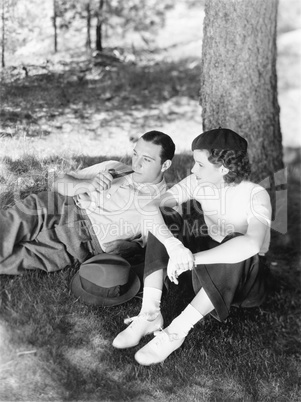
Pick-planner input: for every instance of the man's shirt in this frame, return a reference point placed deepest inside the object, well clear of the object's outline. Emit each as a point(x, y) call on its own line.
point(229, 209)
point(117, 213)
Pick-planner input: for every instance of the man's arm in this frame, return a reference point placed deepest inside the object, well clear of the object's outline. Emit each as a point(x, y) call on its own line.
point(71, 185)
point(237, 249)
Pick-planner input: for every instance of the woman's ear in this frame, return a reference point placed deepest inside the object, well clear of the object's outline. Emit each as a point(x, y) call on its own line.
point(166, 165)
point(224, 170)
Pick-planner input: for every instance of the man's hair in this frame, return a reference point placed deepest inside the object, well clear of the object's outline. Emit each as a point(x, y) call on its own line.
point(159, 138)
point(236, 161)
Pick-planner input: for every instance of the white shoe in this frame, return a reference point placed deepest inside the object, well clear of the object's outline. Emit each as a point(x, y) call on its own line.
point(159, 348)
point(141, 325)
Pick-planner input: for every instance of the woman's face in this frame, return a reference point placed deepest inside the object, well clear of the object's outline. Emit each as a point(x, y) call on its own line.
point(206, 172)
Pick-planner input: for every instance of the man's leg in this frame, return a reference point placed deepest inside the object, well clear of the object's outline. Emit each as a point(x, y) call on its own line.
point(47, 257)
point(25, 220)
point(46, 231)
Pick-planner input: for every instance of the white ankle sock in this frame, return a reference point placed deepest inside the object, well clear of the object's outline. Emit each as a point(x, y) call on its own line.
point(185, 321)
point(151, 300)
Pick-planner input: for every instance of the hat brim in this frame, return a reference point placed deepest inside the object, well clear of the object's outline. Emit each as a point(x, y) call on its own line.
point(77, 290)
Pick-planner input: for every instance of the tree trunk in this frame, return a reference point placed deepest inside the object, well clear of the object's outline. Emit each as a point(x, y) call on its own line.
point(238, 78)
point(99, 24)
point(54, 21)
point(3, 36)
point(88, 19)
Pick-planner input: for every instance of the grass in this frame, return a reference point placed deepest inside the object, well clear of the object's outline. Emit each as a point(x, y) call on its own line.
point(55, 349)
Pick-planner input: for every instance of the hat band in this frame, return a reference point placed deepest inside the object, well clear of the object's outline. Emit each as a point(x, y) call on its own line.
point(96, 290)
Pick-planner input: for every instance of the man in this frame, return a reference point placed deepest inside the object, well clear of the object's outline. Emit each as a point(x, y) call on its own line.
point(87, 213)
point(230, 270)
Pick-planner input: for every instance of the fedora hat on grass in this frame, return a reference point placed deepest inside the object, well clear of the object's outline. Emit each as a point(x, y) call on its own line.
point(105, 280)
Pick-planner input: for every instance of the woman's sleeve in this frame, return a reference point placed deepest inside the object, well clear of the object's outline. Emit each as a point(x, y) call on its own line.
point(183, 191)
point(260, 205)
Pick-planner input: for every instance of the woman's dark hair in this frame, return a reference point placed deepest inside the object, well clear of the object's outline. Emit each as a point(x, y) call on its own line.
point(236, 161)
point(159, 138)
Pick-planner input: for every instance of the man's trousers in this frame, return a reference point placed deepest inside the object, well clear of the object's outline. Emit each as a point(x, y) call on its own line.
point(44, 231)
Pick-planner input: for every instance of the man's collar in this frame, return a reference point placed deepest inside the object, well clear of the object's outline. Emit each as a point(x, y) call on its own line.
point(146, 187)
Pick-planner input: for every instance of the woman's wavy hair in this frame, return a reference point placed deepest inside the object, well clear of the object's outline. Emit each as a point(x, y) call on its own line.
point(236, 161)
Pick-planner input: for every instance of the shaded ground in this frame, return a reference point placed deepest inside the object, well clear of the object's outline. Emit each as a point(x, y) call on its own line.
point(88, 104)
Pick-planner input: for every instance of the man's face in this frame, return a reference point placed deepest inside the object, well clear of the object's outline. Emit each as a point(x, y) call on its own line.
point(146, 162)
point(206, 172)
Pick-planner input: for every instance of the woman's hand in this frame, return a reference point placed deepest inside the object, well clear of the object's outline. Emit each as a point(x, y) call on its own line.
point(173, 273)
point(181, 257)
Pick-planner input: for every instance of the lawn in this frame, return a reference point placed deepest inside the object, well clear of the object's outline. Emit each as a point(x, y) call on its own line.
point(52, 347)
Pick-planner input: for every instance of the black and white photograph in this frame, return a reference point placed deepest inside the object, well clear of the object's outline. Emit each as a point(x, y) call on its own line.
point(150, 203)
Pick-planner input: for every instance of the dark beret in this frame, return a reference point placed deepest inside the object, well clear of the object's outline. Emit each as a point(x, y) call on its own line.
point(220, 138)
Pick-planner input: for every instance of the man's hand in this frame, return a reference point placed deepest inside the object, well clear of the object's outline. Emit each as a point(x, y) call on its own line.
point(124, 248)
point(102, 181)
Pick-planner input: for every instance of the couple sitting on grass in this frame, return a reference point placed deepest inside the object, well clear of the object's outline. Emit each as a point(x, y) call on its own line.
point(90, 214)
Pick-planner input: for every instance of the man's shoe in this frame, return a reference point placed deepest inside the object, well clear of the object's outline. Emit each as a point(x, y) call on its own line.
point(159, 348)
point(140, 326)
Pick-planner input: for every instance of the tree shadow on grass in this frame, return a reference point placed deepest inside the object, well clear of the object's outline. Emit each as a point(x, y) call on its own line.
point(73, 343)
point(94, 89)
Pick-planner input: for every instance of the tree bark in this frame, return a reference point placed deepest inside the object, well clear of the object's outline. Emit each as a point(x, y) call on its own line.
point(238, 77)
point(3, 35)
point(99, 24)
point(54, 22)
point(88, 19)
